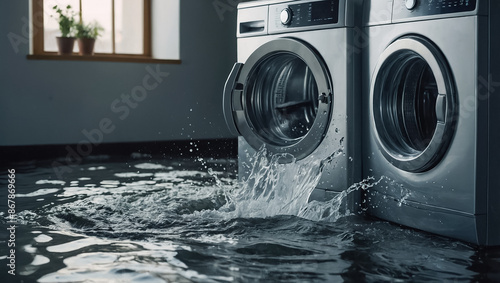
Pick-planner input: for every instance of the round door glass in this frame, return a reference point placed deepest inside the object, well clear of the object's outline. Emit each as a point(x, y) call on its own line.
point(281, 99)
point(413, 104)
point(408, 100)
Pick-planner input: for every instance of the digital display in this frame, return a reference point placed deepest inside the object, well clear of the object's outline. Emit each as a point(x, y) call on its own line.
point(315, 13)
point(437, 7)
point(322, 11)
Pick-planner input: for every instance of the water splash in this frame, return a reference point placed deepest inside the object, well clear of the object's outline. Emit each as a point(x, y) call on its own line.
point(335, 208)
point(405, 195)
point(158, 196)
point(155, 197)
point(274, 188)
point(147, 229)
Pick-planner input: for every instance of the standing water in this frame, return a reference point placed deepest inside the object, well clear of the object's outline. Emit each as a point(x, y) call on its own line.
point(143, 219)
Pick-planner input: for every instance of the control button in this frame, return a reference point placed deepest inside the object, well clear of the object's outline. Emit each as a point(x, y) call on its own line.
point(286, 16)
point(410, 4)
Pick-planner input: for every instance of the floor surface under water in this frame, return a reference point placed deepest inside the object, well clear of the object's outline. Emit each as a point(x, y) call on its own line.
point(143, 219)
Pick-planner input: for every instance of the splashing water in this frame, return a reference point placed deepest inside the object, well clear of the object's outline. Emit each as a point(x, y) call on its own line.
point(175, 221)
point(276, 188)
point(273, 188)
point(333, 209)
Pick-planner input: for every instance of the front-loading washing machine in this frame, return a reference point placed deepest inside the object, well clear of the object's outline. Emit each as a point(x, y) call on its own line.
point(432, 101)
point(295, 90)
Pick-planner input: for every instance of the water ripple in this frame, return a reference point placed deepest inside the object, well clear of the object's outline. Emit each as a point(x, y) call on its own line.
point(196, 223)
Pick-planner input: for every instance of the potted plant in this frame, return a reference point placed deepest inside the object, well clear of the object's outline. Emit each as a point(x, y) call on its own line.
point(87, 35)
point(66, 20)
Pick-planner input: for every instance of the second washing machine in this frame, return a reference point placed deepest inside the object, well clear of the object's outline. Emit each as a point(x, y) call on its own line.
point(295, 89)
point(431, 129)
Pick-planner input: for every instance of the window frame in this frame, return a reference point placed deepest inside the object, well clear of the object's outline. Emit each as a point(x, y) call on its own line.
point(38, 52)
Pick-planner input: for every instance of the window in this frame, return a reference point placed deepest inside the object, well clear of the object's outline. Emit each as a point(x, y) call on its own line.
point(126, 23)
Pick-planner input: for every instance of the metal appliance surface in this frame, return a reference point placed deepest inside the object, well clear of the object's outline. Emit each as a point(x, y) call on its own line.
point(431, 115)
point(295, 88)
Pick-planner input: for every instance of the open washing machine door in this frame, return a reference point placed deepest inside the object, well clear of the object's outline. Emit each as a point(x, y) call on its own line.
point(413, 104)
point(281, 98)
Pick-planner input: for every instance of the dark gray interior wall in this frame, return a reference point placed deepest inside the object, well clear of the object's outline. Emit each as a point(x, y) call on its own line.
point(66, 102)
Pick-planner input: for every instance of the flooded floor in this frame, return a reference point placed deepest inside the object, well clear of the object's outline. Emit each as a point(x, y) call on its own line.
point(143, 219)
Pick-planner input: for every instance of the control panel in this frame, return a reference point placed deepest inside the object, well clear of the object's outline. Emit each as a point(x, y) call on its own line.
point(286, 16)
point(299, 14)
point(418, 8)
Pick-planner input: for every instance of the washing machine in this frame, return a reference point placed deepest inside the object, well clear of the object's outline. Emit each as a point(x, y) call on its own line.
point(431, 100)
point(295, 89)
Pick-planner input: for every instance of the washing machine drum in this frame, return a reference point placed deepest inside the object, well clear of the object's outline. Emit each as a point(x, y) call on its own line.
point(413, 104)
point(280, 98)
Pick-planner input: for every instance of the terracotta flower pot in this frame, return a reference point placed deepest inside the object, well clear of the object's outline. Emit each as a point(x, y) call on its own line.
point(86, 46)
point(65, 45)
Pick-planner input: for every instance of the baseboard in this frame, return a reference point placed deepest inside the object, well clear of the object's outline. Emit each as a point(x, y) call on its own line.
point(217, 148)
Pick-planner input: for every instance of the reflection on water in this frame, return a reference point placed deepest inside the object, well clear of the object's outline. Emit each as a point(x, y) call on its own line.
point(144, 220)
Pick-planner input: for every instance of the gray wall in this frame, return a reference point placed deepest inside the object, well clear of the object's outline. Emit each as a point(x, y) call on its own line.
point(53, 102)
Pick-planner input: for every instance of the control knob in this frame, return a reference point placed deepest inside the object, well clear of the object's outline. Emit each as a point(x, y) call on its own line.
point(286, 16)
point(410, 4)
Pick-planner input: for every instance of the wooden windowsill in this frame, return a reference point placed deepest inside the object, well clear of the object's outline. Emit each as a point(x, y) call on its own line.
point(102, 58)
